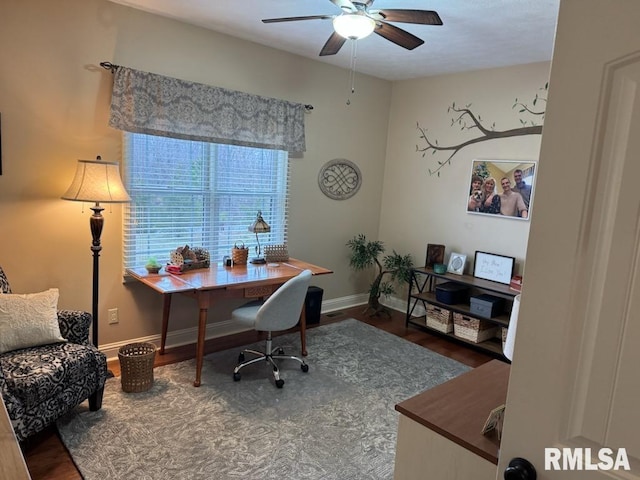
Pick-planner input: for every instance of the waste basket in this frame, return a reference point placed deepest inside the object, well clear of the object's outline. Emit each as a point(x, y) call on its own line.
point(313, 304)
point(136, 366)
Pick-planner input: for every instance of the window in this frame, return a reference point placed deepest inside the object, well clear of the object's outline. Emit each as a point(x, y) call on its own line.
point(200, 194)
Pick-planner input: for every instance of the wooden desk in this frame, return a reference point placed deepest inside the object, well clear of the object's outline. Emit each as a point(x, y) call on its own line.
point(209, 284)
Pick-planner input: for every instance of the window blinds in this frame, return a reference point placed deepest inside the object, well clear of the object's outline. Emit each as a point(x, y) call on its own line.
point(200, 194)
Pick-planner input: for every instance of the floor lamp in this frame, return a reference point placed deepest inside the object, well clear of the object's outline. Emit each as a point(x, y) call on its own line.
point(96, 182)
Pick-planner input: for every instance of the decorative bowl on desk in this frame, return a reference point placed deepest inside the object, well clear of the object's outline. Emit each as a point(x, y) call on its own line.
point(439, 268)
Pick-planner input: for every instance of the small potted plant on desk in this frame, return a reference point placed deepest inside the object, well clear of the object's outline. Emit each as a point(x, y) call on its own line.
point(153, 266)
point(364, 254)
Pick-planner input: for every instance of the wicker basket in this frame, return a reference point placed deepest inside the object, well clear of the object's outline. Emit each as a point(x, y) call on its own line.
point(136, 365)
point(276, 253)
point(239, 254)
point(439, 319)
point(473, 329)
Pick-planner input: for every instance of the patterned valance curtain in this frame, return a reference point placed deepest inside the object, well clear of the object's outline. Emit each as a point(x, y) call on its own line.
point(148, 103)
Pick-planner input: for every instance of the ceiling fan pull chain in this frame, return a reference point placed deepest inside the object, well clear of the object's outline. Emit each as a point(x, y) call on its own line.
point(352, 73)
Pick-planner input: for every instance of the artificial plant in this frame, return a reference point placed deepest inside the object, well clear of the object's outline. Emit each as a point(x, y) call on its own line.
point(364, 254)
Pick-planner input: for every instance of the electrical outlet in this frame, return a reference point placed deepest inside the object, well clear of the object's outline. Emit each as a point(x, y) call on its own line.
point(113, 315)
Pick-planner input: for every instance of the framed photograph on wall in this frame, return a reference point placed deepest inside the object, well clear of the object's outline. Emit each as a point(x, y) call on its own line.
point(456, 263)
point(503, 188)
point(435, 254)
point(490, 266)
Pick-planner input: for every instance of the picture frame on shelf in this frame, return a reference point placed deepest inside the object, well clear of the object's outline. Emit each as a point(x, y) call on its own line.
point(490, 266)
point(456, 263)
point(435, 254)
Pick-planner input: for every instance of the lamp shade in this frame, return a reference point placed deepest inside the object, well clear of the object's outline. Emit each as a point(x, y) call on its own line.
point(354, 25)
point(259, 225)
point(97, 181)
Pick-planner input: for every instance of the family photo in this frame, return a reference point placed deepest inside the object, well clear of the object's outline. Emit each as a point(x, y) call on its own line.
point(501, 187)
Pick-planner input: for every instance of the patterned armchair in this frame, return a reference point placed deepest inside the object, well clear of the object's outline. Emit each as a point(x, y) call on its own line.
point(40, 384)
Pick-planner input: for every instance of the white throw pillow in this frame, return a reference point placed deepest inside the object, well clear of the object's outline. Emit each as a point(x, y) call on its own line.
point(30, 319)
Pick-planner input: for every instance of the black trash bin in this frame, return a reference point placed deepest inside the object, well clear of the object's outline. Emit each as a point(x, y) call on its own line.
point(313, 304)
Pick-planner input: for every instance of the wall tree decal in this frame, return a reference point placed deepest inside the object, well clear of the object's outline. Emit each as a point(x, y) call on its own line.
point(467, 120)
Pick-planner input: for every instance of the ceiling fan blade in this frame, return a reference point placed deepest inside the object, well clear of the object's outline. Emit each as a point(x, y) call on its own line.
point(423, 17)
point(295, 19)
point(344, 5)
point(333, 45)
point(398, 36)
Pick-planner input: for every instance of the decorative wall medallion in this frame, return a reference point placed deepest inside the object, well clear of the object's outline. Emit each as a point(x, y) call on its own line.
point(339, 179)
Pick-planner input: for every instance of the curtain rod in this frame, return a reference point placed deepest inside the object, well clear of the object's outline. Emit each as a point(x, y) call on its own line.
point(113, 67)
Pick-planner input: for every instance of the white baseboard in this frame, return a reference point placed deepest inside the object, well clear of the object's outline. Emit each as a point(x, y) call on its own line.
point(220, 329)
point(400, 304)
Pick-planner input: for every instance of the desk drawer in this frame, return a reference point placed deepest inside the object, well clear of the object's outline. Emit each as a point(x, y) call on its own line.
point(260, 291)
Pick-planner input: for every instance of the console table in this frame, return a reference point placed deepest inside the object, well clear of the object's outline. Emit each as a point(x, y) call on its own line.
point(207, 285)
point(422, 285)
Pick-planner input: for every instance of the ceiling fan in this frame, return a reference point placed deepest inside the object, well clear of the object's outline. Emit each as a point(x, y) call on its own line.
point(357, 21)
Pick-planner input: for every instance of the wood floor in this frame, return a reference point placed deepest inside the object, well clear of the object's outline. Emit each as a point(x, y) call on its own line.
point(47, 458)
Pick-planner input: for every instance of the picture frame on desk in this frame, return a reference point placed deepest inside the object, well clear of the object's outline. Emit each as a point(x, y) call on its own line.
point(494, 421)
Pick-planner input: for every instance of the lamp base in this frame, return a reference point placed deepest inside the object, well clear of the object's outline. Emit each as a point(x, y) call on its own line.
point(258, 260)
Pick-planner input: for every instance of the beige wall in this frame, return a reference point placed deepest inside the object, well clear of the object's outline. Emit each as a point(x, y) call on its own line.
point(417, 208)
point(54, 102)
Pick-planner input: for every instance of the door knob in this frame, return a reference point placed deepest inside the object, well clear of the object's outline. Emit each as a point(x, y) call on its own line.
point(520, 469)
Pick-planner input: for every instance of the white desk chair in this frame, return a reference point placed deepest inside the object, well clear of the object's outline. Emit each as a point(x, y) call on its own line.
point(281, 311)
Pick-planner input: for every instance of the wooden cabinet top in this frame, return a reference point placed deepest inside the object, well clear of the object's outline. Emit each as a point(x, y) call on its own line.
point(12, 464)
point(458, 409)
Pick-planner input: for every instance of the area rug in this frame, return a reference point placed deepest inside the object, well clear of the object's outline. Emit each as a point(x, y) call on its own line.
point(335, 422)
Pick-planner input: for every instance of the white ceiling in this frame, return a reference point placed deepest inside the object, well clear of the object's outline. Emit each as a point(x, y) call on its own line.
point(476, 34)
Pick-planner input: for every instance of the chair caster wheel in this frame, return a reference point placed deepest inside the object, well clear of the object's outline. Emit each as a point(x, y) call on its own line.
point(236, 377)
point(279, 383)
point(241, 358)
point(304, 367)
point(280, 351)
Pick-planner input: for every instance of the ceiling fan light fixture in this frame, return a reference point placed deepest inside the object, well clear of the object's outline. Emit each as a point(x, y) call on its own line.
point(354, 25)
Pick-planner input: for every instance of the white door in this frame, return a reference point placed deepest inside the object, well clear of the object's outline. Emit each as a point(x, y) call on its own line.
point(575, 377)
